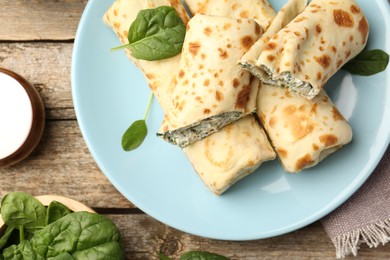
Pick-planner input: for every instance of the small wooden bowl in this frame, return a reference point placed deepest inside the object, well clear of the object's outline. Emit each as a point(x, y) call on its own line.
point(37, 126)
point(73, 205)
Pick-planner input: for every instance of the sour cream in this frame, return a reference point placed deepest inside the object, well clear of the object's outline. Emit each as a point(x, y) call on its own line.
point(21, 118)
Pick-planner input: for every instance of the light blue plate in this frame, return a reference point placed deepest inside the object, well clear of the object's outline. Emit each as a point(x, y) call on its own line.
point(109, 93)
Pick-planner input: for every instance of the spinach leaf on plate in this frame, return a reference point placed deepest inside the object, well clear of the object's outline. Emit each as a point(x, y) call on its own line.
point(134, 135)
point(156, 34)
point(137, 131)
point(368, 63)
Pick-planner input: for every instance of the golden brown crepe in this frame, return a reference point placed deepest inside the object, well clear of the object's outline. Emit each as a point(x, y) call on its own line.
point(120, 16)
point(286, 14)
point(303, 132)
point(310, 49)
point(229, 155)
point(217, 169)
point(211, 89)
point(260, 10)
point(235, 151)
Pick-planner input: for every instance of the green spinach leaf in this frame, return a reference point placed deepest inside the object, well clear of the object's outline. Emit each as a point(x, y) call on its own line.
point(156, 34)
point(134, 135)
point(55, 211)
point(137, 131)
point(21, 209)
point(161, 256)
point(368, 63)
point(201, 255)
point(7, 237)
point(22, 251)
point(110, 250)
point(79, 235)
point(82, 235)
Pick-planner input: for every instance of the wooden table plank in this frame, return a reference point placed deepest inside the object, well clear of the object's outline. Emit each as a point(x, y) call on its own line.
point(47, 66)
point(146, 236)
point(62, 165)
point(31, 20)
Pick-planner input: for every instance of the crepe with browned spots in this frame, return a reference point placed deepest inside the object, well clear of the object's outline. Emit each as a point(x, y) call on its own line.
point(259, 10)
point(303, 132)
point(310, 49)
point(220, 159)
point(211, 89)
point(285, 15)
point(120, 16)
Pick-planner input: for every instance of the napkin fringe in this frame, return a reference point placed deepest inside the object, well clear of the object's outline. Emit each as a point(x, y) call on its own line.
point(373, 235)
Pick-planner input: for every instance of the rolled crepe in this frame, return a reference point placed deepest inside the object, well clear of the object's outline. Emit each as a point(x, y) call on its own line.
point(260, 10)
point(229, 155)
point(310, 49)
point(120, 16)
point(211, 89)
point(303, 132)
point(232, 153)
point(285, 15)
point(218, 170)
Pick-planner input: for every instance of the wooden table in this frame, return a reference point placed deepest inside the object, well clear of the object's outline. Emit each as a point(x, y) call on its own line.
point(36, 40)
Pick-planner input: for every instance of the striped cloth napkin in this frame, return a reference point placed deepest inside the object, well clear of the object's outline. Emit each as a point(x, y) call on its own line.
point(365, 217)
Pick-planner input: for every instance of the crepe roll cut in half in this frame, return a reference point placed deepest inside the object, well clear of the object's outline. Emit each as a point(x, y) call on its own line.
point(303, 132)
point(260, 10)
point(159, 74)
point(235, 151)
point(211, 89)
point(227, 156)
point(310, 49)
point(217, 173)
point(286, 14)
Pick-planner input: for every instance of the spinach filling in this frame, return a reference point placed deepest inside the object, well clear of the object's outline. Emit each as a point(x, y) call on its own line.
point(284, 80)
point(187, 135)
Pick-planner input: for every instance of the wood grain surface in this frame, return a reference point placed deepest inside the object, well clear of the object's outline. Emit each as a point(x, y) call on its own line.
point(36, 41)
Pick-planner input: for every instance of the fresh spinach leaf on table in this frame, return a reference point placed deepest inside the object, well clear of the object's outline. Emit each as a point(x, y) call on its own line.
point(195, 255)
point(19, 209)
point(81, 234)
point(69, 235)
point(201, 255)
point(55, 211)
point(9, 237)
point(21, 251)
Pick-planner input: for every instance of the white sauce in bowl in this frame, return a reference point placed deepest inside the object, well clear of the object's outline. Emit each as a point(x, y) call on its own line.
point(16, 115)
